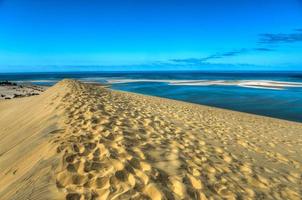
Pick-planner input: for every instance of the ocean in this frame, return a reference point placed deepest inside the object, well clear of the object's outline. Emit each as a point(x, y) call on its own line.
point(274, 94)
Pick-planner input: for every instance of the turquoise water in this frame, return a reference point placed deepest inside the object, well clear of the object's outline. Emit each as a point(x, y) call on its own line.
point(240, 91)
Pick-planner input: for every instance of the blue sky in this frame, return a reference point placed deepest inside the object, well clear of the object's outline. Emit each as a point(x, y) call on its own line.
point(53, 35)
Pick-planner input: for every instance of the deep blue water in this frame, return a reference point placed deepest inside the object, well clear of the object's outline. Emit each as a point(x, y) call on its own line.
point(285, 103)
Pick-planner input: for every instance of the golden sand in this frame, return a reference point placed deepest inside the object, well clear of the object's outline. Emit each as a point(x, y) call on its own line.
point(78, 141)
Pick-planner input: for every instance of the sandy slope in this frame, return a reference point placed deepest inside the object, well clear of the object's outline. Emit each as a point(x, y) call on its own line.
point(26, 153)
point(79, 141)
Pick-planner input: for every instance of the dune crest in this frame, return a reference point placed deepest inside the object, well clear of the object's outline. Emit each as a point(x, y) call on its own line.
point(78, 141)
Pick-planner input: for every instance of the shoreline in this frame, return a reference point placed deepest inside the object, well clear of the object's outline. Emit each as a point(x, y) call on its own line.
point(40, 89)
point(206, 106)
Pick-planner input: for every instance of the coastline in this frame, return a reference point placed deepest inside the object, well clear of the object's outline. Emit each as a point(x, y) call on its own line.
point(201, 107)
point(260, 93)
point(105, 144)
point(11, 90)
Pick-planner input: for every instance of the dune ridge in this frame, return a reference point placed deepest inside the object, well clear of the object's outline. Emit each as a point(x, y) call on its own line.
point(79, 141)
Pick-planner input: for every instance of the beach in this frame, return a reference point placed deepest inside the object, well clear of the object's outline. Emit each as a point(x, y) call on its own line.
point(10, 90)
point(83, 141)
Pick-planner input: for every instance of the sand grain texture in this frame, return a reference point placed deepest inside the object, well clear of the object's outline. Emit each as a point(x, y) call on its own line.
point(78, 141)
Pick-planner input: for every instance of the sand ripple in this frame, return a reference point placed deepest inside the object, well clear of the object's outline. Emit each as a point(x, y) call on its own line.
point(125, 146)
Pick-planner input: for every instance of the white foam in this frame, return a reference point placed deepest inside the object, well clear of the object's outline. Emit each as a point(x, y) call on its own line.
point(260, 84)
point(114, 81)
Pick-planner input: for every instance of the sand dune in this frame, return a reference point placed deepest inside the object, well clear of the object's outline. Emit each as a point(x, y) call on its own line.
point(78, 141)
